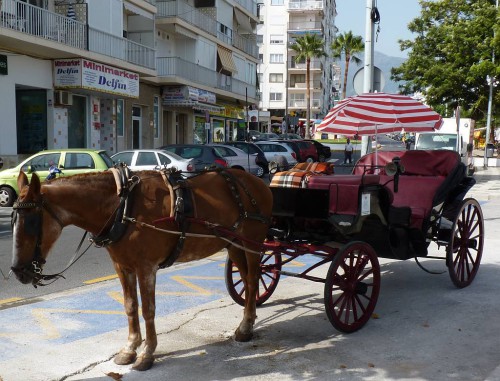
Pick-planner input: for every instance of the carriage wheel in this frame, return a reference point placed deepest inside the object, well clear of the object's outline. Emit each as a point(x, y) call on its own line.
point(465, 248)
point(270, 265)
point(352, 286)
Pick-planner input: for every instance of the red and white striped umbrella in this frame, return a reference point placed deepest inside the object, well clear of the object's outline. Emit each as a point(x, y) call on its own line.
point(377, 113)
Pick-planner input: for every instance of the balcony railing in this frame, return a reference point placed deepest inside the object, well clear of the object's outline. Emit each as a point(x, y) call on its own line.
point(179, 68)
point(39, 22)
point(304, 26)
point(121, 48)
point(301, 103)
point(314, 65)
point(302, 5)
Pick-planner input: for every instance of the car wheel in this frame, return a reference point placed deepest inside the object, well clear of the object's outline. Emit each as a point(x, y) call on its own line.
point(309, 159)
point(7, 196)
point(260, 171)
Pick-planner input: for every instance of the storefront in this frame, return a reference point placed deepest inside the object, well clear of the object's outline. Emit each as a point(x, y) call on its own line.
point(88, 104)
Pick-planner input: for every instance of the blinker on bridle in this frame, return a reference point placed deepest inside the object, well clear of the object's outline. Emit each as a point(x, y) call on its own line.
point(33, 227)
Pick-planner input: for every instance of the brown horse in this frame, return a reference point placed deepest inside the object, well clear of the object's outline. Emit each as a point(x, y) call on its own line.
point(232, 200)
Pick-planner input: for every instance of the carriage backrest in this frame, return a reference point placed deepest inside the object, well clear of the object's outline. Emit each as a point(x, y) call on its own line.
point(428, 178)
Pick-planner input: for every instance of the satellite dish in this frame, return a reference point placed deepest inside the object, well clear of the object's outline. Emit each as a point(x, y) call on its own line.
point(359, 77)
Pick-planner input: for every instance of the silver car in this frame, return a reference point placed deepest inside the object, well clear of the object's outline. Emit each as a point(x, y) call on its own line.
point(273, 151)
point(237, 158)
point(144, 159)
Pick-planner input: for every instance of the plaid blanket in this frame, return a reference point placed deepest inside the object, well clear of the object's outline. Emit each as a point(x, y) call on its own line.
point(298, 176)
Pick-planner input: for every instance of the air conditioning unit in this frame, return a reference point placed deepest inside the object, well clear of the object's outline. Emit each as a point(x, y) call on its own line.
point(64, 98)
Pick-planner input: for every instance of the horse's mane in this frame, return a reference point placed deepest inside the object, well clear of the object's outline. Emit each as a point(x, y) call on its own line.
point(90, 181)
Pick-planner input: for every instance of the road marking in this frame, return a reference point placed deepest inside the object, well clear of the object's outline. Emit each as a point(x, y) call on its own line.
point(10, 300)
point(197, 289)
point(101, 279)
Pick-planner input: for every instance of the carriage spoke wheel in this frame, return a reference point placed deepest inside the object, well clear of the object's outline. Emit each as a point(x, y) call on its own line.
point(464, 251)
point(270, 265)
point(352, 286)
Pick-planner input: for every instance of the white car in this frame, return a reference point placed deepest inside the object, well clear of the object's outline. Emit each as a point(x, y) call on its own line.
point(237, 158)
point(144, 159)
point(273, 151)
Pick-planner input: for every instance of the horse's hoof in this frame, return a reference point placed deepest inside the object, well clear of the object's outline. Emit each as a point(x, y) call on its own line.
point(125, 358)
point(242, 337)
point(143, 363)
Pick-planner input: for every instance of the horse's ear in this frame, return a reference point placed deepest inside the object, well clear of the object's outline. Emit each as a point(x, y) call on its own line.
point(22, 180)
point(35, 186)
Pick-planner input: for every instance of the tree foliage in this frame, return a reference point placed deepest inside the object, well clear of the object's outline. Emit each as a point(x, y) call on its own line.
point(348, 45)
point(308, 47)
point(451, 55)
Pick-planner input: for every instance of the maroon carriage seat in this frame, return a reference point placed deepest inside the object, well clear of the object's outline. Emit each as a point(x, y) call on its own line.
point(427, 178)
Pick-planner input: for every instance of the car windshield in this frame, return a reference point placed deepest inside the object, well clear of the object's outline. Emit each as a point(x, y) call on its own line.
point(437, 141)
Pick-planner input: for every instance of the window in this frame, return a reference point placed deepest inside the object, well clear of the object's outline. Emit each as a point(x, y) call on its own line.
point(156, 116)
point(276, 77)
point(146, 158)
point(119, 117)
point(277, 39)
point(275, 96)
point(276, 58)
point(277, 2)
point(297, 78)
point(261, 58)
point(42, 162)
point(260, 38)
point(78, 161)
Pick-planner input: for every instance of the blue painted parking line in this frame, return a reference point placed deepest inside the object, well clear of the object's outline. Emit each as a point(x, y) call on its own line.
point(98, 309)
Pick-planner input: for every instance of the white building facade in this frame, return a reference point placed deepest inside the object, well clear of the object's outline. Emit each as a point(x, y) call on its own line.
point(282, 80)
point(120, 74)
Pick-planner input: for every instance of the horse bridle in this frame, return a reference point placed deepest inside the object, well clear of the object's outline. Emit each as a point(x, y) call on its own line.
point(33, 226)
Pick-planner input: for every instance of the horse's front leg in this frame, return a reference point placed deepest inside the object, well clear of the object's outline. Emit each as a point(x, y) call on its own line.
point(249, 267)
point(127, 354)
point(147, 285)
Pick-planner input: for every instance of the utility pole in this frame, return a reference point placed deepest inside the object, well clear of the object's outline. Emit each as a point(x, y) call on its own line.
point(368, 68)
point(491, 81)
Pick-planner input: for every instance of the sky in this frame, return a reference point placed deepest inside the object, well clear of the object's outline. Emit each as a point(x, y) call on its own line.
point(394, 18)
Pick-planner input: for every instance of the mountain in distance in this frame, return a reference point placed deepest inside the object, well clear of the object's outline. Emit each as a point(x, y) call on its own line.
point(384, 62)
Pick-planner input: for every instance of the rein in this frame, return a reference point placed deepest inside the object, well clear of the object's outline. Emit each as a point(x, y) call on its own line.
point(33, 226)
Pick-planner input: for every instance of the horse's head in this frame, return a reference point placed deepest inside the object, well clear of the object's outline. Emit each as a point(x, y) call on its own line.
point(35, 228)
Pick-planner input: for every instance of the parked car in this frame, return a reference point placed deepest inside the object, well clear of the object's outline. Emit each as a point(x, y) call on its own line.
point(268, 136)
point(308, 151)
point(289, 136)
point(142, 159)
point(68, 161)
point(253, 148)
point(237, 158)
point(324, 152)
point(301, 155)
point(204, 156)
point(273, 150)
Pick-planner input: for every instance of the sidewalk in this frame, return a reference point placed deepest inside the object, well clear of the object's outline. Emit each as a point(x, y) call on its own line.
point(424, 328)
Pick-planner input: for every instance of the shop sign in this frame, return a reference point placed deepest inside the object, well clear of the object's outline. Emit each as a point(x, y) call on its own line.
point(3, 65)
point(176, 94)
point(86, 74)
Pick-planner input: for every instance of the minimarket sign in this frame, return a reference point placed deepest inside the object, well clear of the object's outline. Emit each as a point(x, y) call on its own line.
point(80, 73)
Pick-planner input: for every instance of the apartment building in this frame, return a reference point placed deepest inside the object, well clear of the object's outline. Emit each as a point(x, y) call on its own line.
point(117, 74)
point(282, 80)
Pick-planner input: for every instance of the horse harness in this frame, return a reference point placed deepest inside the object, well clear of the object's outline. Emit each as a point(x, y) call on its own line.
point(182, 207)
point(33, 226)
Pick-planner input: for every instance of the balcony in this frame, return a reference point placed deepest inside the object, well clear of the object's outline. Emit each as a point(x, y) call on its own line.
point(301, 103)
point(199, 20)
point(19, 18)
point(305, 5)
point(299, 66)
point(298, 27)
point(175, 70)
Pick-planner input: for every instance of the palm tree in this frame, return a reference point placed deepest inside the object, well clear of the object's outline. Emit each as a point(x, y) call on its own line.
point(348, 45)
point(308, 46)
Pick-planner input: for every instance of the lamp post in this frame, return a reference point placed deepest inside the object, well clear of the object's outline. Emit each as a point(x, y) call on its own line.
point(491, 82)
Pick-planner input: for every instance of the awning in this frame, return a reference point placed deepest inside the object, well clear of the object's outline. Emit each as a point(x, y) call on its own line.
point(243, 21)
point(226, 59)
point(137, 10)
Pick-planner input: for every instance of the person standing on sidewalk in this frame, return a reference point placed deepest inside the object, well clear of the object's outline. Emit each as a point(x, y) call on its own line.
point(348, 151)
